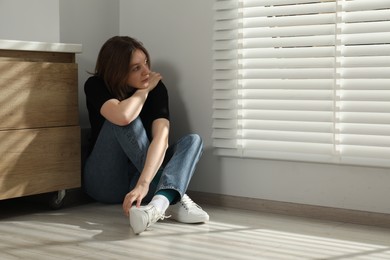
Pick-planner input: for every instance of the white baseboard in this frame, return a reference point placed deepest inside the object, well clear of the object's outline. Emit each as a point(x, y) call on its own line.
point(293, 209)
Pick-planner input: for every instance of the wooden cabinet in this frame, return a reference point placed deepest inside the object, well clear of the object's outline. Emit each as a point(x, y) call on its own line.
point(39, 123)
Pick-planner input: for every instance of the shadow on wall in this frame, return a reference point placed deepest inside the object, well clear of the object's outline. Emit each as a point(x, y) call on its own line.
point(180, 124)
point(208, 175)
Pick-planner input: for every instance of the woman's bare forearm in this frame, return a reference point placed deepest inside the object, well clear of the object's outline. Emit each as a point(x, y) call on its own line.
point(156, 152)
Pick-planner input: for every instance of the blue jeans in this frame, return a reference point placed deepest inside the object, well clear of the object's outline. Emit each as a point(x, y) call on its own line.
point(118, 157)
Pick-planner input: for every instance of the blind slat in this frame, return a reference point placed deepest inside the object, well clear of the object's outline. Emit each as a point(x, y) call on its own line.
point(305, 80)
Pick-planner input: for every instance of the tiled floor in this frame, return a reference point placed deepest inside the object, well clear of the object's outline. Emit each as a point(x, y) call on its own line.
point(89, 230)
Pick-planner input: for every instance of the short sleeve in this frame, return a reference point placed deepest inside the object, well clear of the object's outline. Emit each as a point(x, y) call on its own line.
point(96, 92)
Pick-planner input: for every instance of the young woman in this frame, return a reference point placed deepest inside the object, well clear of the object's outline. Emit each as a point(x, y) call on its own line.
point(130, 160)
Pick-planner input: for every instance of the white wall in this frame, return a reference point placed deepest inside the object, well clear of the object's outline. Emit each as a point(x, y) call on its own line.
point(86, 22)
point(178, 33)
point(36, 20)
point(90, 23)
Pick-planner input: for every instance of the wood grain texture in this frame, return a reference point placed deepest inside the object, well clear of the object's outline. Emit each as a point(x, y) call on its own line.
point(38, 94)
point(293, 209)
point(35, 161)
point(35, 56)
point(39, 124)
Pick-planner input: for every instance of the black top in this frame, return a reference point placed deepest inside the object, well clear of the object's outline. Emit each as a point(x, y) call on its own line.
point(156, 105)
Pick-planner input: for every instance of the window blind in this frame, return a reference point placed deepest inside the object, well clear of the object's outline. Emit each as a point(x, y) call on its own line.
point(304, 80)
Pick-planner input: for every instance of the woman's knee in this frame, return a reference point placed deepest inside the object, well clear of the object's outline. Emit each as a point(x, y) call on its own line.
point(194, 141)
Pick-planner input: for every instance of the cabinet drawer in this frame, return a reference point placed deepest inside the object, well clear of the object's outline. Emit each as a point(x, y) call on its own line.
point(38, 94)
point(34, 161)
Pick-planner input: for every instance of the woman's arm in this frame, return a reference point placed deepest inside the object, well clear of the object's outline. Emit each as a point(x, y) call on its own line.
point(155, 157)
point(156, 151)
point(124, 112)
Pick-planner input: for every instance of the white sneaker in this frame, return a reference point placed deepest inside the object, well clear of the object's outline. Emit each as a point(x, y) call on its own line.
point(143, 217)
point(187, 211)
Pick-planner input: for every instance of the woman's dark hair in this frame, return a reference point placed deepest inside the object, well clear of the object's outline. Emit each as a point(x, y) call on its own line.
point(113, 62)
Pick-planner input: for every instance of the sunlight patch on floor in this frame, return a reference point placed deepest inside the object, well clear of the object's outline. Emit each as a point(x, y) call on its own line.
point(80, 235)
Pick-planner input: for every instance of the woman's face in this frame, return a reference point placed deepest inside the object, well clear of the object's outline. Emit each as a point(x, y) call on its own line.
point(139, 70)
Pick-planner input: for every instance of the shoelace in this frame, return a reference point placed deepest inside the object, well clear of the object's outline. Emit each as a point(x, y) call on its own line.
point(187, 202)
point(163, 216)
point(155, 216)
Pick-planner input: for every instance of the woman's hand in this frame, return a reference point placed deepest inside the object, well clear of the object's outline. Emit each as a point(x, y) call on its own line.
point(154, 78)
point(136, 195)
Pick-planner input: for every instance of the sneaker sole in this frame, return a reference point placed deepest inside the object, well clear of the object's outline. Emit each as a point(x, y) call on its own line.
point(136, 216)
point(193, 220)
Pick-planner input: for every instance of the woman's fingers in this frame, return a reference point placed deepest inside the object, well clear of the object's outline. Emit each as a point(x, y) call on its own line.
point(127, 203)
point(154, 78)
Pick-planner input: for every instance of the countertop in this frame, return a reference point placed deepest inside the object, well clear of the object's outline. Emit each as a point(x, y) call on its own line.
point(39, 46)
